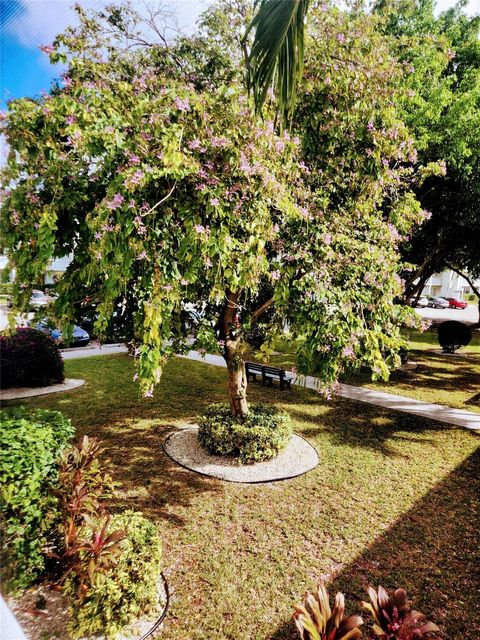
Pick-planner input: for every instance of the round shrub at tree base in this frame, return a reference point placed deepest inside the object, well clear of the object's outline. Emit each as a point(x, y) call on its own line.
point(453, 334)
point(29, 358)
point(125, 592)
point(262, 434)
point(30, 446)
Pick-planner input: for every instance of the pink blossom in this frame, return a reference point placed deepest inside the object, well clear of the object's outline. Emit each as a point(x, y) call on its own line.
point(327, 238)
point(115, 202)
point(184, 282)
point(14, 217)
point(33, 198)
point(133, 159)
point(348, 352)
point(199, 228)
point(279, 146)
point(167, 287)
point(46, 111)
point(214, 202)
point(70, 119)
point(149, 393)
point(182, 105)
point(67, 81)
point(142, 256)
point(194, 144)
point(275, 275)
point(219, 142)
point(276, 228)
point(47, 49)
point(98, 235)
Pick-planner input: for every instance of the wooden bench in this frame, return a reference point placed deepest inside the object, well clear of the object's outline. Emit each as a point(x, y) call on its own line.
point(269, 374)
point(253, 370)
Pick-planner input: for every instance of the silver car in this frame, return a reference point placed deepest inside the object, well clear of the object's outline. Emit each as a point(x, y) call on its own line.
point(438, 303)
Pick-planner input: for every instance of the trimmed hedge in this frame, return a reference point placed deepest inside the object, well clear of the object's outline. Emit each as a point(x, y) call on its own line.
point(29, 358)
point(260, 435)
point(125, 592)
point(30, 446)
point(453, 334)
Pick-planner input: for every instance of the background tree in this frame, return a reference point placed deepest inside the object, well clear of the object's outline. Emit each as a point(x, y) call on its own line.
point(442, 109)
point(169, 194)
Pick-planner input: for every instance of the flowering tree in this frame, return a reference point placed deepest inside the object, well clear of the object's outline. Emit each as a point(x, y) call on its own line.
point(168, 191)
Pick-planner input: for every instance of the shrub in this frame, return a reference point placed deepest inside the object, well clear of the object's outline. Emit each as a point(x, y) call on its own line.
point(127, 589)
point(30, 447)
point(260, 435)
point(453, 334)
point(29, 358)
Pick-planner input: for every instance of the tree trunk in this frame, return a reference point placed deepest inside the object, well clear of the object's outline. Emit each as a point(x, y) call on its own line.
point(237, 381)
point(237, 378)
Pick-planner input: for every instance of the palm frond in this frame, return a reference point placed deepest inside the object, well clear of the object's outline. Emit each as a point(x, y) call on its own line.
point(277, 53)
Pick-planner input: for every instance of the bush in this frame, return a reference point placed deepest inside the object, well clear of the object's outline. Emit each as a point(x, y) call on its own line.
point(31, 443)
point(29, 358)
point(453, 334)
point(260, 435)
point(124, 592)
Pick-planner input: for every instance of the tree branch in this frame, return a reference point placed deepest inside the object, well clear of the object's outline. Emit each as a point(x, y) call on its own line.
point(467, 278)
point(256, 314)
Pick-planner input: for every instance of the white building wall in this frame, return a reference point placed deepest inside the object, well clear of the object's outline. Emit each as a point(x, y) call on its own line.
point(448, 284)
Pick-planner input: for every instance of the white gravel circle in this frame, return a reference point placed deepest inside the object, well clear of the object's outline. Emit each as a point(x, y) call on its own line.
point(29, 392)
point(298, 458)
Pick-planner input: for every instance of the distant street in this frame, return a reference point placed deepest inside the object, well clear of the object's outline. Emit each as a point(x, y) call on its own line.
point(468, 315)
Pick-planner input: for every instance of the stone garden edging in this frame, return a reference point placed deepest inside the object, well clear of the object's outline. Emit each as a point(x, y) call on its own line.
point(16, 393)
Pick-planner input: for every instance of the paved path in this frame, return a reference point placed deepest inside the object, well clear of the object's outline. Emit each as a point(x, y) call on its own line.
point(457, 417)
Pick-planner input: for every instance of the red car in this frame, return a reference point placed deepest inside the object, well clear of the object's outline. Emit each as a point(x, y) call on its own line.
point(453, 303)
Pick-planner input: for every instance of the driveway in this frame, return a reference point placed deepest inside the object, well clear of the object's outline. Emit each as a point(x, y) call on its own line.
point(468, 315)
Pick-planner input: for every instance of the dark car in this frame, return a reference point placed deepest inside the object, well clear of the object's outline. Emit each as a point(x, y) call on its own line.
point(80, 337)
point(437, 303)
point(453, 303)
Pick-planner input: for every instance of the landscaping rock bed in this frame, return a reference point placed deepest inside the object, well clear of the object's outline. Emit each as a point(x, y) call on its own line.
point(298, 458)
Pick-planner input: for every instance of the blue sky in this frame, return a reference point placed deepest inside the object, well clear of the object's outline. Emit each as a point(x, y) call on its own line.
point(27, 24)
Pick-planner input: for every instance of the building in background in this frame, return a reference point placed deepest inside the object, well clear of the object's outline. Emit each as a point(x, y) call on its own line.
point(450, 285)
point(55, 270)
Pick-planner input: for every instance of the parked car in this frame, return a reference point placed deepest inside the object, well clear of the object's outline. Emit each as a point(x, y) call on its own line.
point(37, 299)
point(80, 337)
point(421, 302)
point(453, 303)
point(40, 298)
point(437, 303)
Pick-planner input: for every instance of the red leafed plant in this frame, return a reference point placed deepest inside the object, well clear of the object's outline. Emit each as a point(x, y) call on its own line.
point(316, 621)
point(87, 547)
point(394, 620)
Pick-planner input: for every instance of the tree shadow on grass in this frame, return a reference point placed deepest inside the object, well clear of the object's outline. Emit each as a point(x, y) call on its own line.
point(434, 371)
point(433, 552)
point(368, 426)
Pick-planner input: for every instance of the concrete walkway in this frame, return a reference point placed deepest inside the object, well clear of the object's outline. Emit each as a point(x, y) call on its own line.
point(457, 417)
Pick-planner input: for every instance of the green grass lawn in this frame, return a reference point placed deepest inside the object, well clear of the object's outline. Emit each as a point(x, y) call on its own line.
point(453, 381)
point(394, 500)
